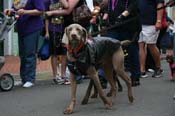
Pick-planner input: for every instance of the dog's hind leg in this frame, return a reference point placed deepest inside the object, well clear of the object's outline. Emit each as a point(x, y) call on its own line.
point(70, 108)
point(93, 74)
point(109, 75)
point(120, 88)
point(88, 92)
point(118, 64)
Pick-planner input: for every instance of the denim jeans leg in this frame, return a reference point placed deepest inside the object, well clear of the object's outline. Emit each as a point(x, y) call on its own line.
point(22, 59)
point(133, 56)
point(28, 49)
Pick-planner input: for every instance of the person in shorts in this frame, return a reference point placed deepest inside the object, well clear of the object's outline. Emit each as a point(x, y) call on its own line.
point(151, 24)
point(54, 27)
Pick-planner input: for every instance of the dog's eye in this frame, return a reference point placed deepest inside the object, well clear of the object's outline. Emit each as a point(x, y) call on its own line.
point(78, 30)
point(70, 29)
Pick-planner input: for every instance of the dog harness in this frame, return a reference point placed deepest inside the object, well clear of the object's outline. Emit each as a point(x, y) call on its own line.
point(91, 54)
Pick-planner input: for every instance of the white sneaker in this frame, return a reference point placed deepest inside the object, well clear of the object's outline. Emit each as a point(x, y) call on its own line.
point(151, 70)
point(58, 80)
point(28, 85)
point(143, 75)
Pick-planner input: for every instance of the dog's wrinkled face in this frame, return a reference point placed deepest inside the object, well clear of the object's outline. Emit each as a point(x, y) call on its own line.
point(74, 35)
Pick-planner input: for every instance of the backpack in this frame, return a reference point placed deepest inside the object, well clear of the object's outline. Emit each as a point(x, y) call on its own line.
point(44, 51)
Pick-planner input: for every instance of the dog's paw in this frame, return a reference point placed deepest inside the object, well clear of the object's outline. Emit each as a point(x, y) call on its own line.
point(84, 102)
point(131, 99)
point(68, 111)
point(94, 95)
point(108, 105)
point(109, 94)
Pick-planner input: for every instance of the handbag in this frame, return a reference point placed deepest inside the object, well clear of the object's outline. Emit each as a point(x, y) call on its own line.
point(167, 40)
point(44, 51)
point(82, 14)
point(164, 19)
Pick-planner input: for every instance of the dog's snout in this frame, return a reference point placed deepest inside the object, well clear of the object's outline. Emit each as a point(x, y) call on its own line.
point(73, 36)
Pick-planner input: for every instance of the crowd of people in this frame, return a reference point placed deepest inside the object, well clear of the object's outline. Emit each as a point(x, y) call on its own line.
point(144, 30)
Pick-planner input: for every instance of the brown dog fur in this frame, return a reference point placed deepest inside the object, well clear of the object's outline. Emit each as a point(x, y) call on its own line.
point(74, 34)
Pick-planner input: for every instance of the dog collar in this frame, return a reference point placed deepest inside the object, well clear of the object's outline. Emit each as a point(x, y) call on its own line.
point(76, 50)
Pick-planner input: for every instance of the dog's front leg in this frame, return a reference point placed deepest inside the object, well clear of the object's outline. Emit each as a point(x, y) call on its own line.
point(92, 72)
point(70, 108)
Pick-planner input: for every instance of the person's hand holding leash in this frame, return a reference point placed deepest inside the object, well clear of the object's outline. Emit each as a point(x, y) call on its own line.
point(93, 20)
point(8, 11)
point(158, 25)
point(122, 17)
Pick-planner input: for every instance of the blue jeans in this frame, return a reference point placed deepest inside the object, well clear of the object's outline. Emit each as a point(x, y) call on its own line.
point(133, 52)
point(27, 51)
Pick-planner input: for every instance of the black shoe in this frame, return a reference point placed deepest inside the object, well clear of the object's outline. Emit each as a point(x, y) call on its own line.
point(157, 73)
point(135, 82)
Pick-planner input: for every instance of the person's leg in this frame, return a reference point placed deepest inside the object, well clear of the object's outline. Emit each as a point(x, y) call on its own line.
point(54, 64)
point(63, 70)
point(149, 61)
point(30, 43)
point(22, 59)
point(155, 53)
point(156, 56)
point(54, 48)
point(142, 55)
point(133, 56)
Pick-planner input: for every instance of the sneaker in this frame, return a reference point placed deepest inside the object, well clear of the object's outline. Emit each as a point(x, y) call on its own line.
point(58, 80)
point(151, 70)
point(28, 85)
point(143, 75)
point(157, 73)
point(161, 70)
point(67, 82)
point(135, 82)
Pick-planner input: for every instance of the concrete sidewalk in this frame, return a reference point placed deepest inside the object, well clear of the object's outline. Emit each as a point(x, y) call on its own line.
point(12, 66)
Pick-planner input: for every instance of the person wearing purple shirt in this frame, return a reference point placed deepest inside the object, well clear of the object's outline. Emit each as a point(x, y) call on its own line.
point(29, 25)
point(54, 31)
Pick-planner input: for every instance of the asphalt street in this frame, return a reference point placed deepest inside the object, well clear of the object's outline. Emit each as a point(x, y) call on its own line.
point(154, 97)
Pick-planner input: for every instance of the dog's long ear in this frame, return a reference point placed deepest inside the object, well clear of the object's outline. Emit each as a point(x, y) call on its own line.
point(65, 39)
point(85, 35)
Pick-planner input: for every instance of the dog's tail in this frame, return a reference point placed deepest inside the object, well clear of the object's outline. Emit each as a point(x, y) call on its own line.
point(126, 42)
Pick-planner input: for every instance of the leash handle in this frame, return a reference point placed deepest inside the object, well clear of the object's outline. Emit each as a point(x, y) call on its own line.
point(114, 26)
point(168, 4)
